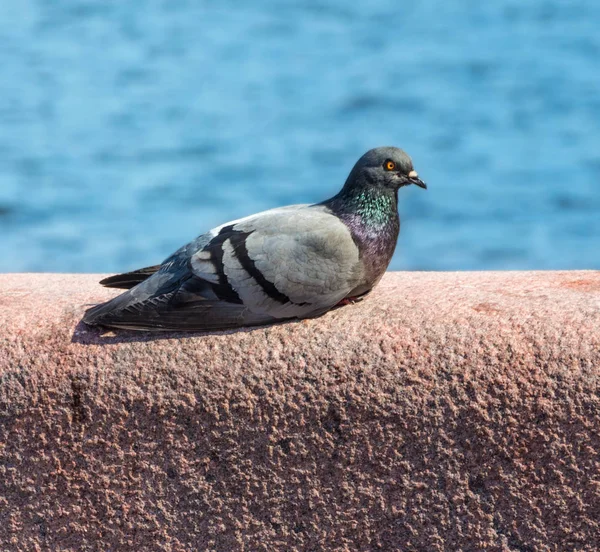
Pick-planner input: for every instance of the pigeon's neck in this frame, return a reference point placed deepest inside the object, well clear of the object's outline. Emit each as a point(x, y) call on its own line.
point(371, 215)
point(370, 210)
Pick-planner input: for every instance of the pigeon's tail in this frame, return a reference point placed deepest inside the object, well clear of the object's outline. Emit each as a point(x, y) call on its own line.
point(195, 318)
point(128, 280)
point(158, 316)
point(104, 313)
point(172, 308)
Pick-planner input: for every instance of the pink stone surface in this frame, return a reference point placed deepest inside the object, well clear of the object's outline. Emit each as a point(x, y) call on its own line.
point(447, 411)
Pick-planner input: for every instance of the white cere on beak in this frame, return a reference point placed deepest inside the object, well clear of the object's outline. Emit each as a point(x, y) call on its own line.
point(412, 174)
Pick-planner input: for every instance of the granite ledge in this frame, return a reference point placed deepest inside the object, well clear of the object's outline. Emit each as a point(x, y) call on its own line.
point(447, 411)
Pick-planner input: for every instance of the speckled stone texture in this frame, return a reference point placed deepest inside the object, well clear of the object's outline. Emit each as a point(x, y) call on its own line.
point(445, 412)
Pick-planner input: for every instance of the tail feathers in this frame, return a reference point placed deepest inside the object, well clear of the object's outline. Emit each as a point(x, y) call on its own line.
point(172, 299)
point(159, 313)
point(96, 315)
point(192, 319)
point(129, 279)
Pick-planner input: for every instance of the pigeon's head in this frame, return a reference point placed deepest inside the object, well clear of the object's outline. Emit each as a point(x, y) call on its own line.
point(386, 167)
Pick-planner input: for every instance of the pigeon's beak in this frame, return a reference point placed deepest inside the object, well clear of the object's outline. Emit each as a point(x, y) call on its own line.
point(413, 178)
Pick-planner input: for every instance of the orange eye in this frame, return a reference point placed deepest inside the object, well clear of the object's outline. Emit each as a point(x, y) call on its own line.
point(390, 165)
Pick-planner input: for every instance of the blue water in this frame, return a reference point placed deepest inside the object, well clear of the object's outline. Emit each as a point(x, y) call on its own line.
point(128, 128)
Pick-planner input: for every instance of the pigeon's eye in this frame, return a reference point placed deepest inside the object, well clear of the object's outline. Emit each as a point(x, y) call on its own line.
point(389, 165)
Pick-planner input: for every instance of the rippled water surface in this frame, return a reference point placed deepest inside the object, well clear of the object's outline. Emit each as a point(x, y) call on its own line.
point(127, 128)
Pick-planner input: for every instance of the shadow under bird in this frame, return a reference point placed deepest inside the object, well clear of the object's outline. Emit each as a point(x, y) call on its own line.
point(291, 262)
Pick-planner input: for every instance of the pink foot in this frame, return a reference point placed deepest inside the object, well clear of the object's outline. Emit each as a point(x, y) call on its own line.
point(348, 301)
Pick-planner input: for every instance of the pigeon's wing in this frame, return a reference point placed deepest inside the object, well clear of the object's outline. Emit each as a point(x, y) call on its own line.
point(285, 263)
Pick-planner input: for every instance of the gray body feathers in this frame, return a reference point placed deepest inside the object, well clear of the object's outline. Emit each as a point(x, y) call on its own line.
point(291, 262)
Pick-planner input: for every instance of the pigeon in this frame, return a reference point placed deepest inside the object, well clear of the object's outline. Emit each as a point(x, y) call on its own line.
point(286, 263)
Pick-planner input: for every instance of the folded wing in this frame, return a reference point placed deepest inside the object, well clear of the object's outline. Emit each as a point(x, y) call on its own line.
point(294, 262)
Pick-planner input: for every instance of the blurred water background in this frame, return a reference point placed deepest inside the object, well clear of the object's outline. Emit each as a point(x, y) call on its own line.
point(128, 128)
